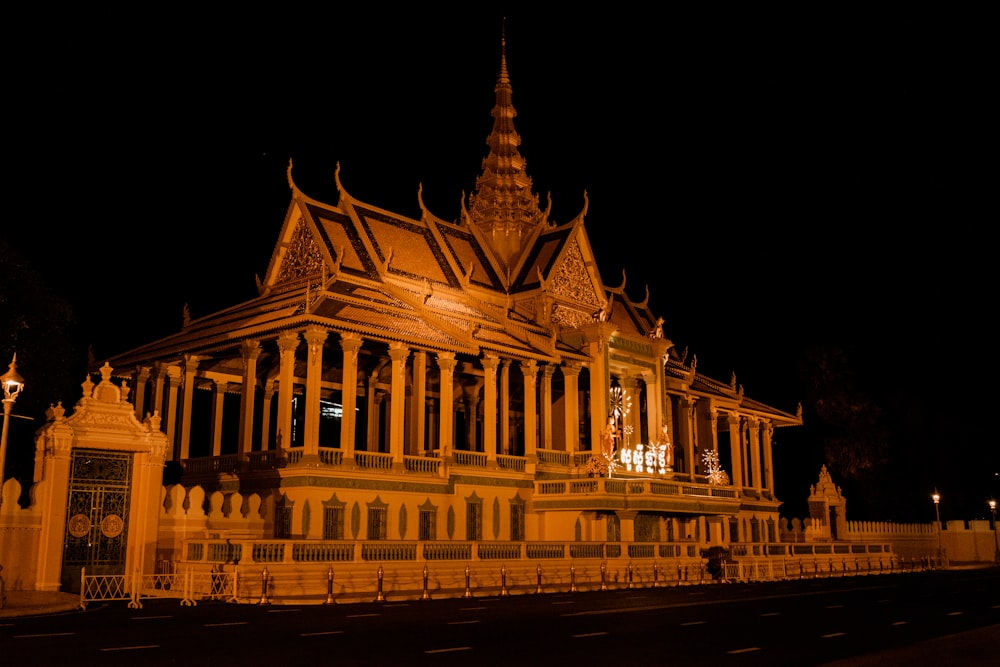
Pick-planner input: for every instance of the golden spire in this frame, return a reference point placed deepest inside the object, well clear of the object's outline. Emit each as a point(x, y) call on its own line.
point(503, 205)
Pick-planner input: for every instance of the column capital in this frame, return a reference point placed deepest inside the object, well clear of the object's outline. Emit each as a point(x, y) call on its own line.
point(288, 341)
point(398, 351)
point(350, 342)
point(446, 361)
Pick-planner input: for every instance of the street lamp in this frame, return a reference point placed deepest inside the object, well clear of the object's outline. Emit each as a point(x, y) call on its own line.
point(936, 497)
point(996, 540)
point(12, 386)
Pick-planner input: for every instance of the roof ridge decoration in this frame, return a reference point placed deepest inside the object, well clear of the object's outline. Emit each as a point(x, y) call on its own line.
point(503, 206)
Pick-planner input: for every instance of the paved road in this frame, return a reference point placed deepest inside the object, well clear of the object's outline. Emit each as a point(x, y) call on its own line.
point(936, 618)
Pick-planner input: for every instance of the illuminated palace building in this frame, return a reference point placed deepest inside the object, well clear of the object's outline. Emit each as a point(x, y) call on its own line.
point(407, 393)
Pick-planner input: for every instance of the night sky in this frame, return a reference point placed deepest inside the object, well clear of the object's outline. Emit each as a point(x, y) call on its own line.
point(778, 181)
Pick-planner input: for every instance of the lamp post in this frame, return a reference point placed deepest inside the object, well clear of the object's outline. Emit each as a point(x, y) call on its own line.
point(936, 497)
point(12, 386)
point(996, 540)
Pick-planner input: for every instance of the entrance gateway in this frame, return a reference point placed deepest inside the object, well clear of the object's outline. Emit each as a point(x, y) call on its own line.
point(97, 515)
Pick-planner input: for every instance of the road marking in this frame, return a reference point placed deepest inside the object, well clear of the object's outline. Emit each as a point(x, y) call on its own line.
point(900, 623)
point(130, 648)
point(316, 634)
point(361, 615)
point(146, 618)
point(833, 634)
point(472, 608)
point(833, 606)
point(463, 622)
point(955, 613)
point(281, 611)
point(590, 634)
point(47, 634)
point(449, 650)
point(219, 625)
point(772, 613)
point(693, 623)
point(566, 602)
point(744, 650)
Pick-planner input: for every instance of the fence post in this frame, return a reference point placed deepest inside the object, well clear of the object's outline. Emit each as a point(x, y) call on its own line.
point(468, 591)
point(263, 587)
point(379, 597)
point(425, 595)
point(628, 574)
point(329, 587)
point(604, 575)
point(572, 578)
point(503, 581)
point(538, 571)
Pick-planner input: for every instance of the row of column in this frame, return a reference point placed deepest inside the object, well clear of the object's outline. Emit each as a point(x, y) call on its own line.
point(537, 382)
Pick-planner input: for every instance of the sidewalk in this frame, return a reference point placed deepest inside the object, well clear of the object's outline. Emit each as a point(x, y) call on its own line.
point(34, 603)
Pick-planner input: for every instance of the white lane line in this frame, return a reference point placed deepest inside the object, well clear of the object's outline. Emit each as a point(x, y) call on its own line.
point(955, 613)
point(449, 650)
point(317, 634)
point(147, 618)
point(693, 623)
point(900, 623)
point(472, 608)
point(463, 622)
point(361, 615)
point(130, 648)
point(590, 634)
point(47, 634)
point(773, 613)
point(833, 606)
point(749, 649)
point(221, 625)
point(281, 611)
point(566, 602)
point(833, 634)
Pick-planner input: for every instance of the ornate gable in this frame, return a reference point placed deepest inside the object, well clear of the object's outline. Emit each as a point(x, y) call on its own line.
point(302, 256)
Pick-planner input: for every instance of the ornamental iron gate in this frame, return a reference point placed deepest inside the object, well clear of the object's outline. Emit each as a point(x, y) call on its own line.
point(97, 514)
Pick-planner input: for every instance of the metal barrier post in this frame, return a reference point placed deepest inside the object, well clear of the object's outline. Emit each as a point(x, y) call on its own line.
point(628, 574)
point(468, 591)
point(425, 595)
point(263, 587)
point(329, 587)
point(503, 581)
point(572, 578)
point(379, 597)
point(604, 575)
point(538, 571)
point(656, 573)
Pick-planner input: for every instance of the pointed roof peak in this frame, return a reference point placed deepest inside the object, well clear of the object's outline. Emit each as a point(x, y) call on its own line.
point(502, 205)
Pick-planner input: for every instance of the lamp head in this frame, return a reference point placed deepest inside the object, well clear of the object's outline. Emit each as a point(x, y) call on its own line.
point(936, 497)
point(12, 382)
point(993, 505)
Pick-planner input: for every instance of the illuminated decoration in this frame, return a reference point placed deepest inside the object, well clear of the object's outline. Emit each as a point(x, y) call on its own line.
point(714, 472)
point(645, 458)
point(600, 465)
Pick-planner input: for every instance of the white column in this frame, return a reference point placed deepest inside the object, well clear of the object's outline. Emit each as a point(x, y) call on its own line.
point(446, 430)
point(529, 369)
point(350, 344)
point(315, 337)
point(399, 353)
point(190, 366)
point(288, 341)
point(250, 351)
point(217, 408)
point(490, 364)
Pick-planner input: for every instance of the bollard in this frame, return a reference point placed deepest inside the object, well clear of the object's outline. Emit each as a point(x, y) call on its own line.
point(468, 591)
point(503, 581)
point(656, 572)
point(604, 575)
point(263, 587)
point(379, 597)
point(329, 587)
point(572, 578)
point(538, 571)
point(628, 574)
point(425, 595)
